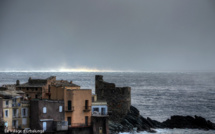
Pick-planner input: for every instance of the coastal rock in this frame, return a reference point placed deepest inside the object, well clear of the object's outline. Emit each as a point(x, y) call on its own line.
point(199, 122)
point(133, 120)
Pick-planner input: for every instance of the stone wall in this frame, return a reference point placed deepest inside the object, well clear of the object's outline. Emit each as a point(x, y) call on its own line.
point(52, 113)
point(118, 98)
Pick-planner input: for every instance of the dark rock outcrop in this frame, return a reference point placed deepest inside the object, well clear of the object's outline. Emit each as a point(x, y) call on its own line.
point(188, 122)
point(133, 119)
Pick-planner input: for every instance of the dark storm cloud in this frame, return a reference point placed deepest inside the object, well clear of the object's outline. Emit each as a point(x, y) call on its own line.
point(116, 34)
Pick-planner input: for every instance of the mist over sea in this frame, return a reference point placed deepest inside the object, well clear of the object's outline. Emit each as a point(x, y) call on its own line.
point(156, 95)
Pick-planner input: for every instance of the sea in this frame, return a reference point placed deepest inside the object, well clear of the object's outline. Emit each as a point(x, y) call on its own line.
point(157, 95)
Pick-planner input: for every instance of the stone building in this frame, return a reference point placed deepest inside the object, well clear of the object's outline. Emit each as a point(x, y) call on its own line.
point(118, 98)
point(46, 114)
point(36, 88)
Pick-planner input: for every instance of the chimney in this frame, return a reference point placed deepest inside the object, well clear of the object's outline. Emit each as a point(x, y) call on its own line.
point(29, 79)
point(17, 82)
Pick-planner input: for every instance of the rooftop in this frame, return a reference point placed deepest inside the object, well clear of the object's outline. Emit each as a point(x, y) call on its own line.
point(60, 83)
point(37, 82)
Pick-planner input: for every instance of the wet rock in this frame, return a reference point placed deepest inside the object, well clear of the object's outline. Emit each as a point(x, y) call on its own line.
point(177, 121)
point(133, 119)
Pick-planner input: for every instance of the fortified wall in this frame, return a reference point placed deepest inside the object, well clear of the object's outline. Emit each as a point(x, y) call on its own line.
point(118, 98)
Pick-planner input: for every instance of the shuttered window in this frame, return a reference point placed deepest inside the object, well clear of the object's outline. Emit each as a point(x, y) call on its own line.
point(44, 110)
point(60, 108)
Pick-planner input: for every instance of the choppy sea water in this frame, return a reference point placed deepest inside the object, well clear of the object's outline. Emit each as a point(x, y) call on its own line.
point(156, 95)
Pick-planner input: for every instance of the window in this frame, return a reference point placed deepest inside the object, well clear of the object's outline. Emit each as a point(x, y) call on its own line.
point(86, 104)
point(6, 102)
point(96, 109)
point(14, 112)
point(36, 96)
point(14, 123)
point(14, 100)
point(6, 113)
point(24, 112)
point(86, 120)
point(60, 108)
point(36, 89)
point(44, 110)
point(24, 121)
point(103, 111)
point(69, 120)
point(44, 126)
point(69, 105)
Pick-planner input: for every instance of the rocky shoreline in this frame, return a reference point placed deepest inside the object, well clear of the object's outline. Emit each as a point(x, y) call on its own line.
point(134, 120)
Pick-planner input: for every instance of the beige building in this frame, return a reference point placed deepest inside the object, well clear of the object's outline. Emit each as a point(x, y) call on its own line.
point(7, 113)
point(16, 113)
point(20, 113)
point(15, 110)
point(59, 88)
point(78, 104)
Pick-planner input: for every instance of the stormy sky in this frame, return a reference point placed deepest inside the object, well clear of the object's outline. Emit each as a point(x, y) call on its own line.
point(126, 35)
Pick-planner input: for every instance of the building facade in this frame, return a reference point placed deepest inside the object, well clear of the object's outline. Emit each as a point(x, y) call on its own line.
point(20, 113)
point(7, 113)
point(46, 115)
point(99, 116)
point(36, 88)
point(59, 88)
point(78, 107)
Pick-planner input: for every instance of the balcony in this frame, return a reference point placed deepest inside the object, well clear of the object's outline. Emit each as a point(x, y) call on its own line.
point(69, 110)
point(16, 105)
point(87, 108)
point(79, 125)
point(48, 93)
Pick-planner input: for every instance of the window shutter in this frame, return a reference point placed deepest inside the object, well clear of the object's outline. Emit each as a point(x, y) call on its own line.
point(44, 109)
point(60, 108)
point(26, 110)
point(17, 112)
point(24, 121)
point(22, 112)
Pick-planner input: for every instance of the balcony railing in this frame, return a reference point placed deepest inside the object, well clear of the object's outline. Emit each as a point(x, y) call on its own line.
point(87, 108)
point(16, 116)
point(96, 113)
point(79, 125)
point(69, 110)
point(16, 104)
